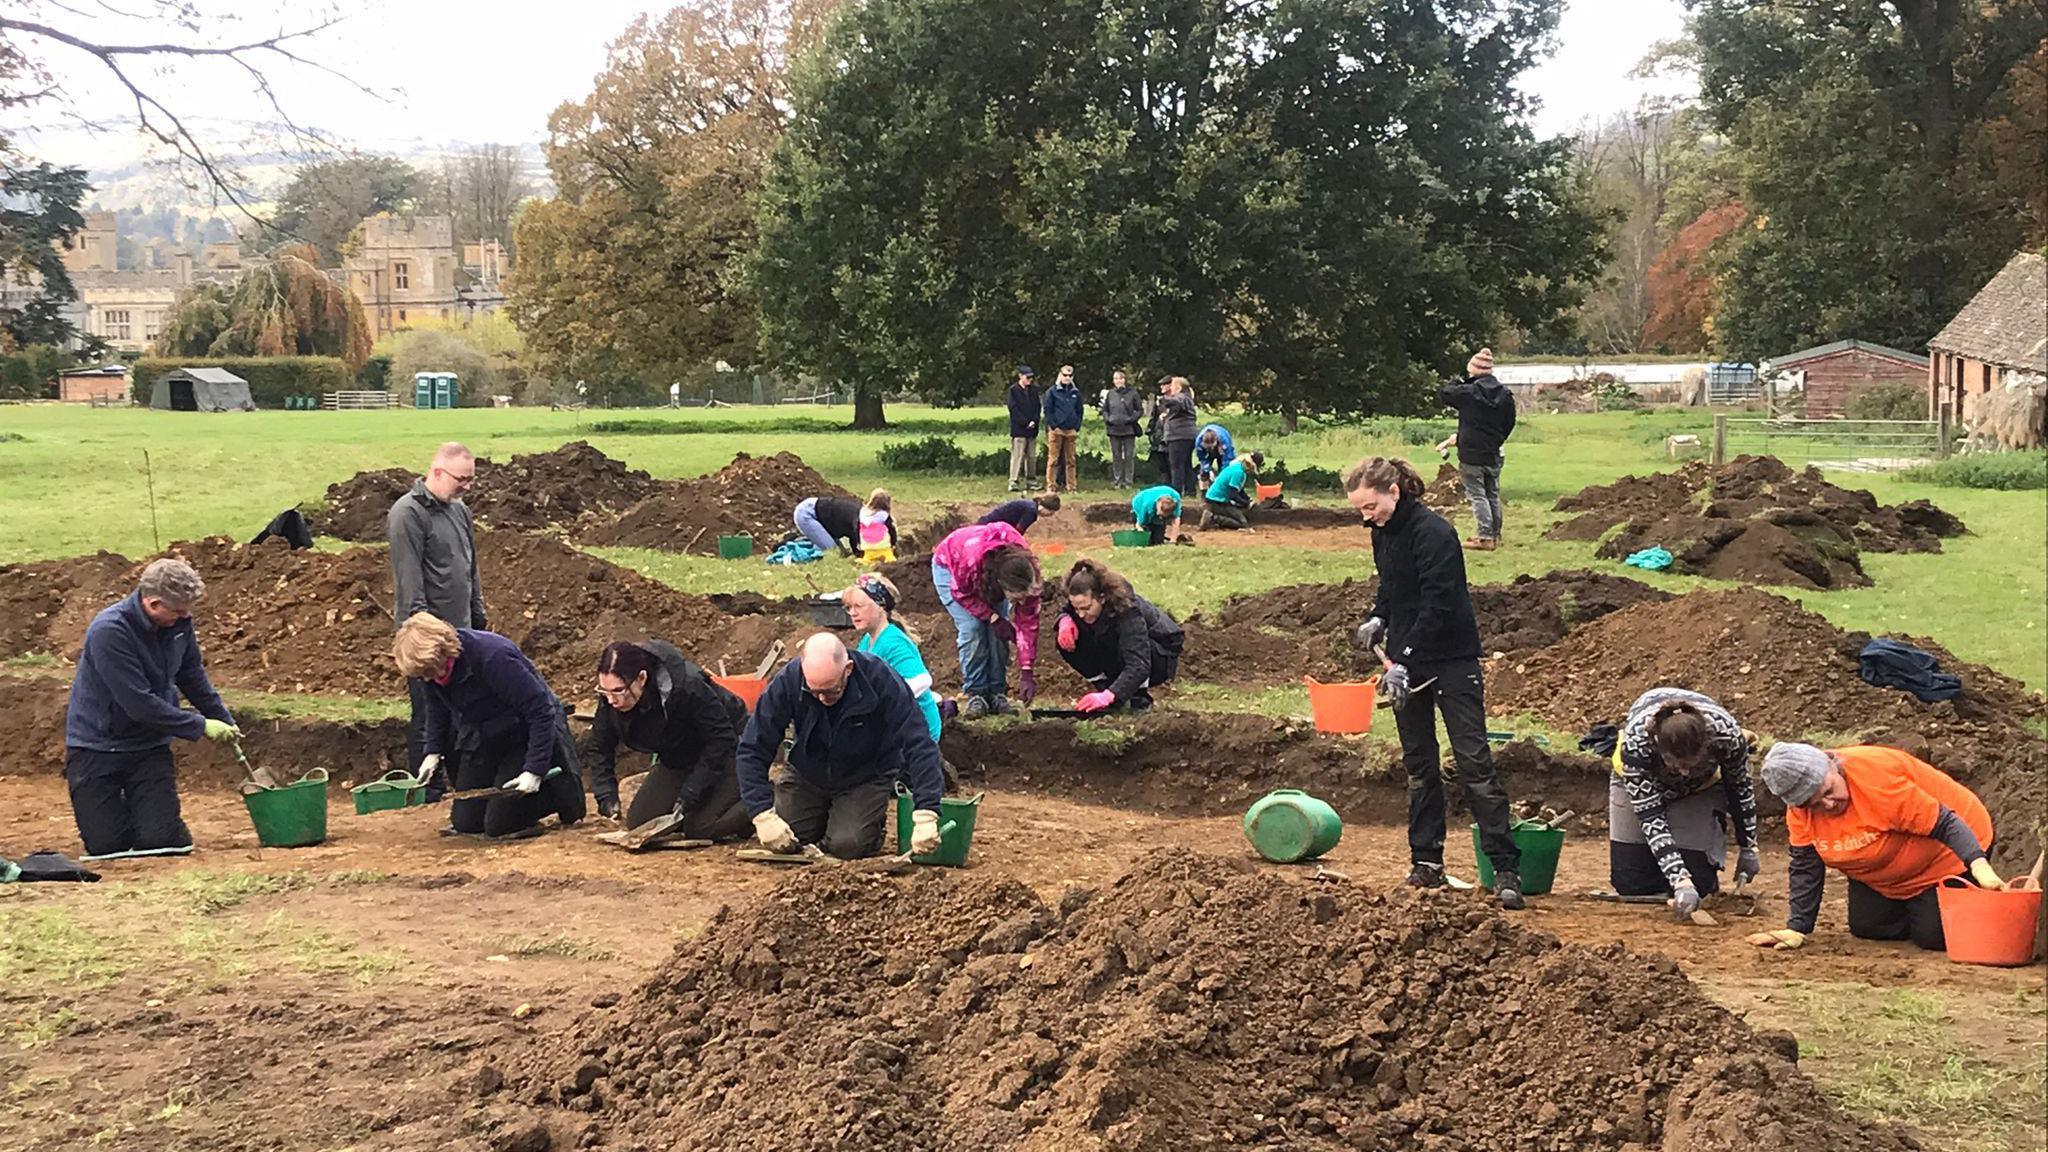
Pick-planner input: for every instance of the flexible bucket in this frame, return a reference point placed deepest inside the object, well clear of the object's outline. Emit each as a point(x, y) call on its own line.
point(292, 816)
point(735, 547)
point(1288, 825)
point(1130, 538)
point(1540, 845)
point(1986, 926)
point(397, 789)
point(956, 829)
point(1342, 708)
point(1268, 491)
point(1051, 549)
point(748, 687)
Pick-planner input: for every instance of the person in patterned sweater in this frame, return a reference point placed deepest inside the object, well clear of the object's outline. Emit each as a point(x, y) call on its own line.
point(1667, 822)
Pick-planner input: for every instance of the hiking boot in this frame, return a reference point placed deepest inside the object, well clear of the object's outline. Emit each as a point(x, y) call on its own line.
point(999, 705)
point(1141, 701)
point(1013, 485)
point(1507, 889)
point(1425, 875)
point(1478, 544)
point(975, 708)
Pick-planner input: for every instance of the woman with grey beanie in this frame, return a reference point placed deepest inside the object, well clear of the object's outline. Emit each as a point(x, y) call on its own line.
point(1895, 825)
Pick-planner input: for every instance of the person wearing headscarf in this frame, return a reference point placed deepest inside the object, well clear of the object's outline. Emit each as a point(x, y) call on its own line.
point(871, 604)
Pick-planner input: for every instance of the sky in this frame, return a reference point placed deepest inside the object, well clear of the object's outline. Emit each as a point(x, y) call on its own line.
point(454, 71)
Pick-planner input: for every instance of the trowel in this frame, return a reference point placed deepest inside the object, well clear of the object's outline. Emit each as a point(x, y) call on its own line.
point(805, 854)
point(257, 779)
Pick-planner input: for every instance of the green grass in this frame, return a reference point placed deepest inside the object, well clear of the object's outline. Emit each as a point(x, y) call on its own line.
point(1109, 736)
point(2005, 471)
point(252, 706)
point(33, 660)
point(51, 948)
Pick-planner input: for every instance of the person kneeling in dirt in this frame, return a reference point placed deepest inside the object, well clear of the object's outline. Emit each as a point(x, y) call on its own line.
point(986, 576)
point(832, 523)
point(1424, 615)
point(652, 699)
point(1666, 820)
point(138, 655)
point(857, 732)
point(1224, 504)
point(491, 714)
point(1118, 641)
point(1021, 513)
point(1157, 511)
point(1894, 824)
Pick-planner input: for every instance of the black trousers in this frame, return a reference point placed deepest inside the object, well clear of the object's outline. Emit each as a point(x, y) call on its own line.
point(1156, 534)
point(125, 800)
point(1460, 695)
point(1180, 457)
point(848, 825)
point(416, 739)
point(717, 814)
point(495, 763)
point(1875, 916)
point(1222, 515)
point(1161, 463)
point(1634, 871)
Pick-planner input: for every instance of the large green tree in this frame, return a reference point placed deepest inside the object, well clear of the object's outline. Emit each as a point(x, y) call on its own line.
point(283, 306)
point(1874, 215)
point(324, 202)
point(39, 214)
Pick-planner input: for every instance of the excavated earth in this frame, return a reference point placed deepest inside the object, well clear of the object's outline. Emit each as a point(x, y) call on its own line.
point(1194, 1002)
point(573, 485)
point(1754, 520)
point(753, 495)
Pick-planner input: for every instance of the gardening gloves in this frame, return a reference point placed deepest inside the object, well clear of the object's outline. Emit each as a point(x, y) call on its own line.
point(222, 730)
point(1778, 939)
point(1980, 871)
point(429, 764)
point(1027, 685)
point(1685, 900)
point(1371, 632)
point(1747, 866)
point(1395, 685)
point(1004, 630)
point(775, 834)
point(924, 832)
point(1095, 701)
point(526, 784)
point(1067, 633)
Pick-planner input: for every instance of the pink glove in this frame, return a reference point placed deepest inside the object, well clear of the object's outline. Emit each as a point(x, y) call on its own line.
point(1067, 633)
point(1004, 630)
point(1095, 701)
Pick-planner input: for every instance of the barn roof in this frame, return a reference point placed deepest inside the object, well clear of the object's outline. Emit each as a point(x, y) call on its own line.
point(2007, 322)
point(1805, 354)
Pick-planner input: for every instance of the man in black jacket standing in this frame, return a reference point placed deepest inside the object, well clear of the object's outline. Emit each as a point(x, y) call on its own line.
point(1023, 401)
point(1486, 415)
point(1422, 622)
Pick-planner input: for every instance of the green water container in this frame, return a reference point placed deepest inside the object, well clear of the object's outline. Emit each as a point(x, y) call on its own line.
point(956, 829)
point(1288, 825)
point(735, 547)
point(1130, 538)
point(1540, 845)
point(292, 816)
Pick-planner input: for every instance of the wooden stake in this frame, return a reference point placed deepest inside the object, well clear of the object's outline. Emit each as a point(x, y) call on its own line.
point(149, 473)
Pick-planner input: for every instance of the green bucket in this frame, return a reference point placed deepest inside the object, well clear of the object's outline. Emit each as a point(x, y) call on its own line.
point(1288, 825)
point(398, 789)
point(956, 829)
point(1540, 845)
point(735, 547)
point(1130, 538)
point(292, 816)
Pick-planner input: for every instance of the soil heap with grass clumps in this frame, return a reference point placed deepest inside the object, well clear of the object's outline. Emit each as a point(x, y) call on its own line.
point(1752, 519)
point(571, 486)
point(1195, 1002)
point(46, 604)
point(753, 495)
point(355, 508)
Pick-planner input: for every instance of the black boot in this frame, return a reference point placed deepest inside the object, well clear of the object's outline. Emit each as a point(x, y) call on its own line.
point(1507, 888)
point(1426, 875)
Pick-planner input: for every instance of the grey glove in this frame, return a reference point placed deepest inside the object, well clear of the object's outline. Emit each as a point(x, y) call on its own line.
point(1748, 866)
point(1395, 685)
point(1685, 900)
point(1371, 632)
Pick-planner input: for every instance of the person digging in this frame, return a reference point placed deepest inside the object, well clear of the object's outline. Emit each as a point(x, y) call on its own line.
point(1423, 616)
point(433, 569)
point(490, 714)
point(1230, 495)
point(139, 654)
point(1892, 823)
point(1681, 776)
point(1022, 512)
point(987, 578)
point(856, 732)
point(832, 523)
point(1119, 642)
point(1157, 511)
point(652, 699)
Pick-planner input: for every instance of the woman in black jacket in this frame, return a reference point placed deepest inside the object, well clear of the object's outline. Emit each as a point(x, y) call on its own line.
point(651, 699)
point(1423, 614)
point(1117, 640)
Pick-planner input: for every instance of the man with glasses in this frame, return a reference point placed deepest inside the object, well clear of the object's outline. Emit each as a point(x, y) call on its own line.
point(433, 569)
point(857, 732)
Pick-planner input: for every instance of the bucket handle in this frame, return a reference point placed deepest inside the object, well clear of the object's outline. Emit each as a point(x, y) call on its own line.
point(1371, 681)
point(975, 799)
point(315, 776)
point(395, 776)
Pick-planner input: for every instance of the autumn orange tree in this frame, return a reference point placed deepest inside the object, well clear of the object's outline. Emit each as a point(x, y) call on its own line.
point(284, 306)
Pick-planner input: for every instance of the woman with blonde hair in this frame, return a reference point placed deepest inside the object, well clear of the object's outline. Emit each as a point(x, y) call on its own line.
point(490, 713)
point(834, 522)
point(871, 603)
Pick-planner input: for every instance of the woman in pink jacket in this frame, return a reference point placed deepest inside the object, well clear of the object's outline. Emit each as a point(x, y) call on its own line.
point(988, 580)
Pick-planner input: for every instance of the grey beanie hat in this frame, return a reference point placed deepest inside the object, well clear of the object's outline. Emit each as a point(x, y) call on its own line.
point(1794, 772)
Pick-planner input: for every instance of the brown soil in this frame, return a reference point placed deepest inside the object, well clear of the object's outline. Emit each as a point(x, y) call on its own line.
point(1194, 1001)
point(45, 605)
point(1753, 519)
point(1289, 516)
point(574, 484)
point(753, 495)
point(1446, 493)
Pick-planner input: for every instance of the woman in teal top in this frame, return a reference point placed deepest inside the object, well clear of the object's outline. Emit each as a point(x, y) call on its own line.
point(1224, 504)
point(1157, 510)
point(870, 602)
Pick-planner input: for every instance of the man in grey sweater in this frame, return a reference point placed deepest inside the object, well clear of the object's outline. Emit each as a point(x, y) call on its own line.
point(433, 568)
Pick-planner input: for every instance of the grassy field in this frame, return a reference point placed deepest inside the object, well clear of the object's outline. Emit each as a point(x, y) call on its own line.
point(75, 480)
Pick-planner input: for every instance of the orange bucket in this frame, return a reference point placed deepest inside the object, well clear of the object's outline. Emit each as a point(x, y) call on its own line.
point(1052, 549)
point(748, 688)
point(1986, 926)
point(1268, 491)
point(1345, 708)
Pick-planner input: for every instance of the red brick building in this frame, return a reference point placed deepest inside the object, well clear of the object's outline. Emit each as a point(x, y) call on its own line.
point(1835, 372)
point(2002, 332)
point(108, 385)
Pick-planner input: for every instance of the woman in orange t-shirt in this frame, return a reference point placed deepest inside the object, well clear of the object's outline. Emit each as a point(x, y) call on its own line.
point(1895, 825)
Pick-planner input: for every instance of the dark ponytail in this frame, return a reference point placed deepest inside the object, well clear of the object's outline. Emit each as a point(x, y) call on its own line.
point(626, 661)
point(1385, 474)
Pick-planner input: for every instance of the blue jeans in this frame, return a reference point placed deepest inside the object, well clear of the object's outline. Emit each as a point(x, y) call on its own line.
point(807, 523)
point(984, 660)
point(1482, 488)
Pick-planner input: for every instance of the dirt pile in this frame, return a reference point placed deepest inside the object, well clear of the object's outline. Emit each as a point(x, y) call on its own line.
point(45, 605)
point(1446, 493)
point(572, 485)
point(1752, 519)
point(754, 495)
point(355, 508)
point(1194, 1002)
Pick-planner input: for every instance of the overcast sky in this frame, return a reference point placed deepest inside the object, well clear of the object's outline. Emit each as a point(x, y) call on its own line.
point(460, 71)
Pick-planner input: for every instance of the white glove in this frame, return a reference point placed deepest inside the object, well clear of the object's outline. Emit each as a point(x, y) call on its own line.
point(1981, 871)
point(924, 832)
point(1685, 900)
point(429, 764)
point(526, 783)
point(774, 832)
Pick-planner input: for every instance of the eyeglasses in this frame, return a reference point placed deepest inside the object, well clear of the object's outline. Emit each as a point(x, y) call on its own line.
point(621, 693)
point(462, 479)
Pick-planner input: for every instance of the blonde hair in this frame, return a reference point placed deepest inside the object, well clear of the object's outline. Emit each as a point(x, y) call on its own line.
point(424, 646)
point(878, 500)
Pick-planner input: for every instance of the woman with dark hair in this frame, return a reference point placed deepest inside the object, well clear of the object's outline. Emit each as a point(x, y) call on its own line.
point(1119, 642)
point(988, 579)
point(652, 699)
point(1667, 823)
point(1423, 613)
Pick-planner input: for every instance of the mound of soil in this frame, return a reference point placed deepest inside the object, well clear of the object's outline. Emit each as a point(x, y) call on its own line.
point(1752, 519)
point(45, 605)
point(1194, 1002)
point(754, 495)
point(1446, 493)
point(571, 485)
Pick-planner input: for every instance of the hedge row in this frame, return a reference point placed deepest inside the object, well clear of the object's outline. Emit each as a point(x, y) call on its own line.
point(271, 378)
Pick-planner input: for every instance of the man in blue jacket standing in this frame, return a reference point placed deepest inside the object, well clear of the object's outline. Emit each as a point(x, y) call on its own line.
point(1062, 432)
point(1023, 402)
point(858, 731)
point(139, 654)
